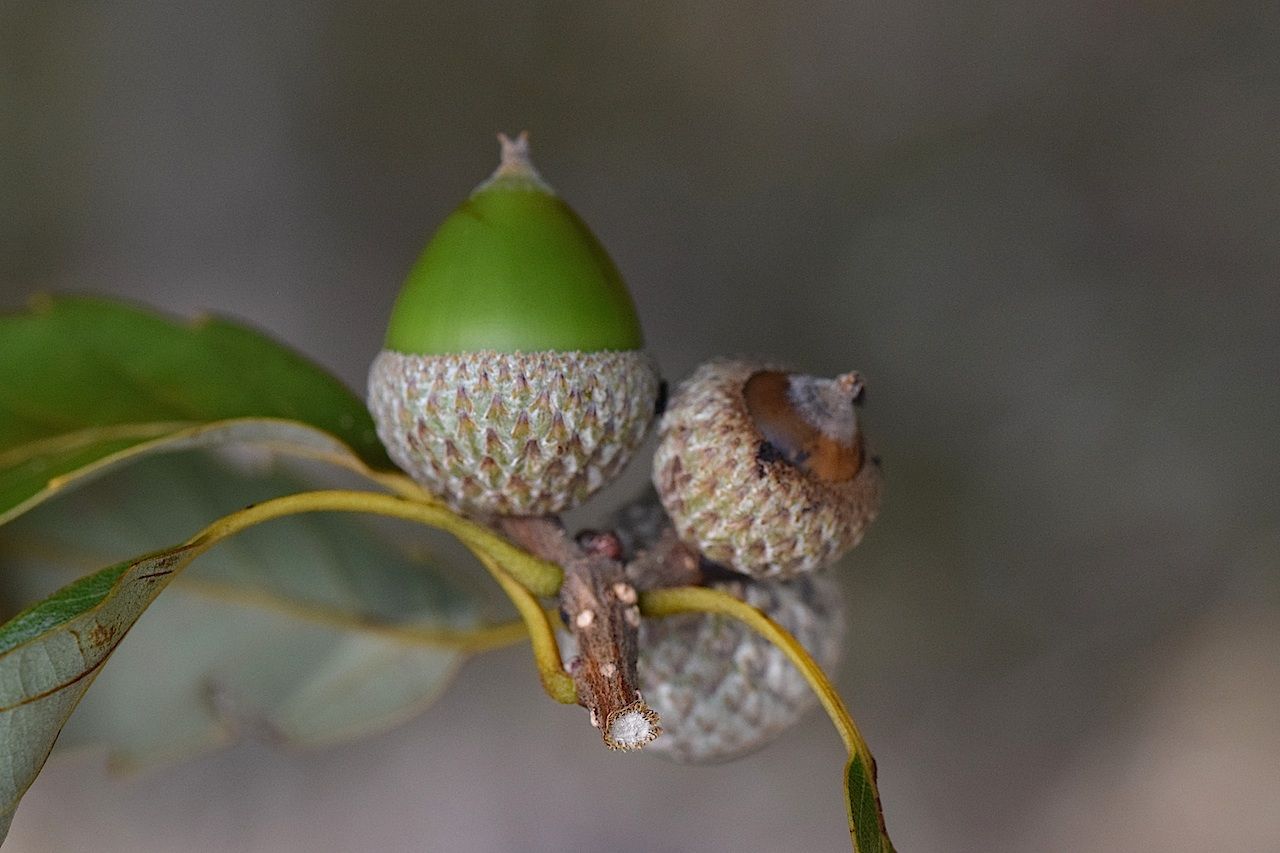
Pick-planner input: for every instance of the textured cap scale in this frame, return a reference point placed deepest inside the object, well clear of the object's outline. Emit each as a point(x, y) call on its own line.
point(512, 434)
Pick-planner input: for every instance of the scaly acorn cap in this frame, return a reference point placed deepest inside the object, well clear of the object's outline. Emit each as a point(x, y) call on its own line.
point(721, 689)
point(765, 471)
point(512, 380)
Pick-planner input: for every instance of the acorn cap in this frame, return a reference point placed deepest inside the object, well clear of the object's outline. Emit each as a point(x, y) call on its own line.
point(513, 269)
point(721, 689)
point(512, 434)
point(512, 381)
point(765, 471)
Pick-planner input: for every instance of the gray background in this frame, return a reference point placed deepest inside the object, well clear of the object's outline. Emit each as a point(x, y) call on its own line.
point(1049, 235)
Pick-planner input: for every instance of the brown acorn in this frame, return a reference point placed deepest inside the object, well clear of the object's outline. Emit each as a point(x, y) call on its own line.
point(764, 470)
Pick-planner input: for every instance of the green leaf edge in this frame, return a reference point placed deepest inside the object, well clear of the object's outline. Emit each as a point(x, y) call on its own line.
point(322, 444)
point(371, 451)
point(327, 448)
point(78, 597)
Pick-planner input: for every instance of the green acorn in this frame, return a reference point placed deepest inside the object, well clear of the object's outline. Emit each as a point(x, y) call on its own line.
point(513, 380)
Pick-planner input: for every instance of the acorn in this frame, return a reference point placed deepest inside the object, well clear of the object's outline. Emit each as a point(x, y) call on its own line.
point(721, 689)
point(764, 470)
point(513, 380)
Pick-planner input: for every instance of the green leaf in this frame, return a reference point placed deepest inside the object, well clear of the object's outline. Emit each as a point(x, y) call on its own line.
point(866, 821)
point(86, 384)
point(50, 655)
point(309, 629)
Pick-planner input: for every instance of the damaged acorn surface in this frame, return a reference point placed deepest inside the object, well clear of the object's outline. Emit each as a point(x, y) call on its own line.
point(513, 380)
point(765, 471)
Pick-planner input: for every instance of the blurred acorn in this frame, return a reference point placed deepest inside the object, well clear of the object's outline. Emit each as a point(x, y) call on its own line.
point(764, 470)
point(513, 379)
point(721, 689)
point(639, 523)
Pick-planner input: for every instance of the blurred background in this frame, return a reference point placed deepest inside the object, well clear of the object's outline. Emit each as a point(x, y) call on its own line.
point(1048, 235)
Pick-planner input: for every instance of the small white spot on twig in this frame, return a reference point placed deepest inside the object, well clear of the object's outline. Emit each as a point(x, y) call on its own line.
point(609, 670)
point(585, 618)
point(632, 615)
point(625, 592)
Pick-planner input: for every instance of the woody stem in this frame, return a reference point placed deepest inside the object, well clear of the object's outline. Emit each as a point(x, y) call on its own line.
point(600, 608)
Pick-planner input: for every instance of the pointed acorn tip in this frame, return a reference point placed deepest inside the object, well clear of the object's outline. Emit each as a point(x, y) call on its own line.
point(515, 152)
point(852, 385)
point(515, 167)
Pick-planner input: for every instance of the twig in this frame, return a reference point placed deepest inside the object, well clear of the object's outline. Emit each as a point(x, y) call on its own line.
point(600, 607)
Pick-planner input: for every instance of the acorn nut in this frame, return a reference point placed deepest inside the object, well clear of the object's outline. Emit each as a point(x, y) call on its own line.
point(765, 471)
point(513, 380)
